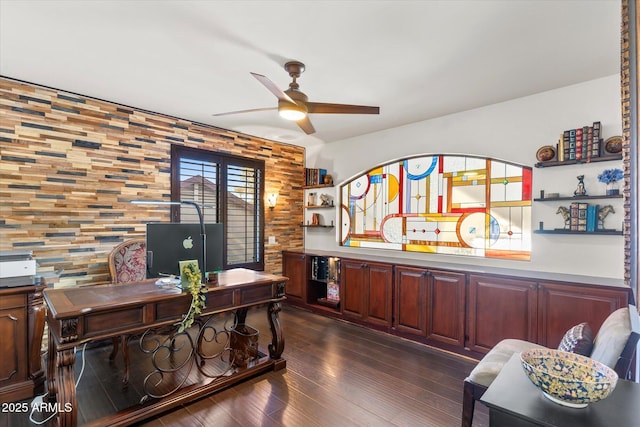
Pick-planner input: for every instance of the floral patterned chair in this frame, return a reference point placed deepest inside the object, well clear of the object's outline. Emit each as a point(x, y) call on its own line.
point(127, 263)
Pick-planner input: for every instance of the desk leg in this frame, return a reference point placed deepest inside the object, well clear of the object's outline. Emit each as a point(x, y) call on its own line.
point(277, 338)
point(66, 388)
point(51, 367)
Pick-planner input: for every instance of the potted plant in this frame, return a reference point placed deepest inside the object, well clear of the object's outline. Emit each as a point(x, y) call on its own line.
point(192, 282)
point(610, 178)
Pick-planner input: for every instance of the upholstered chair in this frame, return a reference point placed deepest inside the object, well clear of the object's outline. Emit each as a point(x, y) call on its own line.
point(614, 345)
point(127, 263)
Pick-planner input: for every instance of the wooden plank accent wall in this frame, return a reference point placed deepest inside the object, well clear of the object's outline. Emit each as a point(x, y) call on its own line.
point(70, 165)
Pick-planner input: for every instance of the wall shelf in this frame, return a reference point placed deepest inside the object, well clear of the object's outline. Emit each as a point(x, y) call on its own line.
point(319, 207)
point(584, 233)
point(602, 196)
point(316, 226)
point(552, 163)
point(308, 187)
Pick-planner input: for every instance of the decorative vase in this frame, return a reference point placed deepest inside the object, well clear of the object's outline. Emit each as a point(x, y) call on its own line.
point(612, 188)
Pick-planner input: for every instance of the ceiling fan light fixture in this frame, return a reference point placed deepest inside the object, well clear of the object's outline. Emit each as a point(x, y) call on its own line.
point(293, 112)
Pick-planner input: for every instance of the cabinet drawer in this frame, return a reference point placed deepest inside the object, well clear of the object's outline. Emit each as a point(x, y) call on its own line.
point(11, 301)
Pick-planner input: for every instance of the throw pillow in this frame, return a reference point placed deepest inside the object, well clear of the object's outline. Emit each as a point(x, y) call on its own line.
point(578, 339)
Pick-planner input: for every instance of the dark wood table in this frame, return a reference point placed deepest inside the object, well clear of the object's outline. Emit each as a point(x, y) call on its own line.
point(85, 314)
point(514, 401)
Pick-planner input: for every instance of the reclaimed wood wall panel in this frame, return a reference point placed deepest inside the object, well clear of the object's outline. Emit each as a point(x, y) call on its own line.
point(70, 166)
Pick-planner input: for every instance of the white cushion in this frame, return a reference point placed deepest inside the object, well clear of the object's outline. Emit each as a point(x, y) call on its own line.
point(491, 364)
point(612, 337)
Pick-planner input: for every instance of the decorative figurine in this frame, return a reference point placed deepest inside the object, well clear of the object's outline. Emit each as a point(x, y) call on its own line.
point(566, 215)
point(603, 212)
point(324, 200)
point(580, 191)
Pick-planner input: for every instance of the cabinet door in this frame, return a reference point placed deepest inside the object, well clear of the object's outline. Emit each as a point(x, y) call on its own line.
point(563, 306)
point(500, 308)
point(411, 300)
point(353, 288)
point(294, 266)
point(445, 299)
point(13, 346)
point(379, 293)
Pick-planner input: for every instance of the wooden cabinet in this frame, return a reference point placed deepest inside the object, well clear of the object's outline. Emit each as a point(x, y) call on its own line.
point(21, 329)
point(460, 311)
point(411, 300)
point(379, 293)
point(430, 304)
point(294, 266)
point(446, 302)
point(366, 291)
point(562, 306)
point(500, 308)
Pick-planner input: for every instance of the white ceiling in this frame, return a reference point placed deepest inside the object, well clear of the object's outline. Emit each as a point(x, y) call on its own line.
point(415, 59)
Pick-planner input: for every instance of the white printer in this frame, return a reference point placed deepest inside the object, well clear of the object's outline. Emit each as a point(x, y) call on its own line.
point(17, 268)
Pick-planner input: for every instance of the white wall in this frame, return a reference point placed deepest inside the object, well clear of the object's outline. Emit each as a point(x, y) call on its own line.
point(512, 131)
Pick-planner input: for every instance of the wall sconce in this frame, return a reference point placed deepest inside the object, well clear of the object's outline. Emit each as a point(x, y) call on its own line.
point(272, 199)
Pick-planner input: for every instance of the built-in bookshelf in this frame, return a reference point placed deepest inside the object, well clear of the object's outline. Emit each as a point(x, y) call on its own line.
point(317, 204)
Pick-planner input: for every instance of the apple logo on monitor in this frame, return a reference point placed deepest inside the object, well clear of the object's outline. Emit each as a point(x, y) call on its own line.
point(187, 243)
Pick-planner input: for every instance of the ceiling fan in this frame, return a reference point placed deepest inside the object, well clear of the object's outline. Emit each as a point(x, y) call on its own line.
point(294, 105)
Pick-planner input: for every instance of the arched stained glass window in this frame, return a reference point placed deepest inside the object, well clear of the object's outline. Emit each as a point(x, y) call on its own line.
point(444, 204)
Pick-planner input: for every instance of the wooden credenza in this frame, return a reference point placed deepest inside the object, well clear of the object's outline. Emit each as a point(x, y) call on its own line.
point(21, 326)
point(467, 312)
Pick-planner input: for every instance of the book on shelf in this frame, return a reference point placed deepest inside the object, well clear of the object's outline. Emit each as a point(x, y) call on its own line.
point(581, 144)
point(572, 144)
point(579, 141)
point(573, 216)
point(314, 176)
point(596, 140)
point(588, 143)
point(560, 148)
point(592, 217)
point(583, 217)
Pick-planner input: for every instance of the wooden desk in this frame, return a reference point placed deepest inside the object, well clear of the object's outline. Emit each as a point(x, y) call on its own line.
point(81, 315)
point(514, 401)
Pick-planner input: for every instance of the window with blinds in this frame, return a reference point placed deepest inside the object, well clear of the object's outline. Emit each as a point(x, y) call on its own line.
point(228, 189)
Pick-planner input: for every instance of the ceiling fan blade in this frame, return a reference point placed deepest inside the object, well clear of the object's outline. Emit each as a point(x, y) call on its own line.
point(245, 111)
point(273, 88)
point(306, 126)
point(326, 108)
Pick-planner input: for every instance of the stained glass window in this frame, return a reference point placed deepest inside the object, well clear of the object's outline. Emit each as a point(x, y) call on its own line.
point(444, 204)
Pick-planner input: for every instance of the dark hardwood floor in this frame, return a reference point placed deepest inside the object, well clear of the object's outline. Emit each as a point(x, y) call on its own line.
point(337, 374)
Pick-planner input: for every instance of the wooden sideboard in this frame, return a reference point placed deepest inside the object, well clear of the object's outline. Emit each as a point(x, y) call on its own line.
point(22, 316)
point(201, 360)
point(466, 312)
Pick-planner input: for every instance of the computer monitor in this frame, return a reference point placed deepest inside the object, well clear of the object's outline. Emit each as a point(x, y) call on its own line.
point(170, 243)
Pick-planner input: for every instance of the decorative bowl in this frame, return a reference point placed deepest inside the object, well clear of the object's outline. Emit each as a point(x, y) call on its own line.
point(568, 379)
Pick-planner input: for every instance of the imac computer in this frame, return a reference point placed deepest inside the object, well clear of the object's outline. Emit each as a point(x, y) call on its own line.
point(170, 243)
